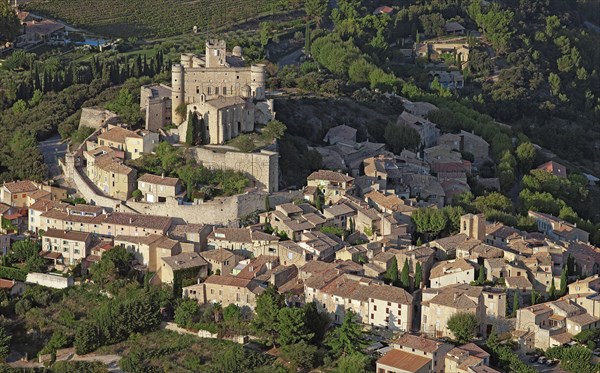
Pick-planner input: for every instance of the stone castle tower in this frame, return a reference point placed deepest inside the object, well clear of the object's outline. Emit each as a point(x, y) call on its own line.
point(216, 75)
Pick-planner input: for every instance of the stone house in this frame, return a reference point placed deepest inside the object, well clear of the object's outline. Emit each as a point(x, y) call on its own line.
point(155, 102)
point(439, 304)
point(24, 193)
point(133, 144)
point(412, 353)
point(322, 246)
point(554, 168)
point(375, 304)
point(339, 215)
point(334, 185)
point(38, 208)
point(11, 287)
point(551, 324)
point(559, 229)
point(158, 188)
point(107, 171)
point(468, 358)
point(342, 133)
point(586, 286)
point(148, 250)
point(294, 219)
point(221, 261)
point(457, 271)
point(427, 130)
point(192, 265)
point(226, 289)
point(196, 234)
point(73, 246)
point(246, 241)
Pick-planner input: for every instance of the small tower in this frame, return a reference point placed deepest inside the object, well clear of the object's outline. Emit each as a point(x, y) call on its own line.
point(258, 73)
point(216, 53)
point(473, 226)
point(177, 92)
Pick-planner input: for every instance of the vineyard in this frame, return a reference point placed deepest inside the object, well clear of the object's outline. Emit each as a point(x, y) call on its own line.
point(154, 18)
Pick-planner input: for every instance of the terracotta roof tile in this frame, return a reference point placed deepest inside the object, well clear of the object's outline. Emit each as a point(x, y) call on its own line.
point(403, 361)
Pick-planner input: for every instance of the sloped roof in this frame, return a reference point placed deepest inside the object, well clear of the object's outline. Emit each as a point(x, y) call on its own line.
point(329, 176)
point(404, 361)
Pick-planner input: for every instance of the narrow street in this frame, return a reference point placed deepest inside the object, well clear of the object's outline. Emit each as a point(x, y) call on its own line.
point(52, 149)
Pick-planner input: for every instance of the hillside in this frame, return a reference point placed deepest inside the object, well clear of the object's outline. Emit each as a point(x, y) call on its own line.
point(151, 18)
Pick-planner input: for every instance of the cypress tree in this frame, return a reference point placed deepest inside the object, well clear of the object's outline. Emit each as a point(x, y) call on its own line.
point(189, 135)
point(515, 303)
point(552, 291)
point(481, 278)
point(392, 272)
point(405, 276)
point(533, 297)
point(563, 280)
point(418, 275)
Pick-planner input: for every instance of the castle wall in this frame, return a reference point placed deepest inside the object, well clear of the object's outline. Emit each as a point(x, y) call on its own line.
point(95, 117)
point(262, 167)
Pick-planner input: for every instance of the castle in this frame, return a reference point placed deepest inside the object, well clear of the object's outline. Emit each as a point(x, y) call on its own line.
point(226, 95)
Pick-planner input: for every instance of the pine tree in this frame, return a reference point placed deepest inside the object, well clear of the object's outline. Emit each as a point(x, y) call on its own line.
point(563, 280)
point(515, 303)
point(291, 327)
point(405, 276)
point(481, 278)
point(392, 272)
point(552, 291)
point(418, 275)
point(348, 337)
point(267, 309)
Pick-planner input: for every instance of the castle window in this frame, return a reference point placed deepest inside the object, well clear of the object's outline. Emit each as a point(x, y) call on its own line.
point(224, 90)
point(208, 90)
point(197, 90)
point(216, 90)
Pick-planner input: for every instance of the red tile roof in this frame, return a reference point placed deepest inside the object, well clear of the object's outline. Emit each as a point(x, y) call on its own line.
point(403, 361)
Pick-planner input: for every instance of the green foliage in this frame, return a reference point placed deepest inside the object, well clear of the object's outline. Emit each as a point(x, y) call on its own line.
point(463, 325)
point(315, 9)
point(391, 274)
point(302, 355)
point(515, 306)
point(9, 23)
point(564, 275)
point(127, 106)
point(405, 276)
point(353, 363)
point(137, 195)
point(236, 358)
point(347, 338)
point(12, 273)
point(186, 313)
point(20, 251)
point(232, 314)
point(19, 107)
point(66, 366)
point(80, 135)
point(401, 137)
point(116, 319)
point(267, 309)
point(428, 220)
point(494, 201)
point(340, 232)
point(275, 129)
point(57, 341)
point(4, 343)
point(481, 276)
point(552, 290)
point(291, 327)
point(525, 154)
point(573, 359)
point(316, 322)
point(418, 275)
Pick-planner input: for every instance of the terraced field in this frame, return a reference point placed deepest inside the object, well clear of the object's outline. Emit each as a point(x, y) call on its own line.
point(153, 18)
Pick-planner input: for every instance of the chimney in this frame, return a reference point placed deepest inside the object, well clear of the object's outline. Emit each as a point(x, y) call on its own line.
point(455, 296)
point(130, 220)
point(162, 176)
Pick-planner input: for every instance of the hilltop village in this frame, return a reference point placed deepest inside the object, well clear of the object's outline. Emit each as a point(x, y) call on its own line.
point(221, 224)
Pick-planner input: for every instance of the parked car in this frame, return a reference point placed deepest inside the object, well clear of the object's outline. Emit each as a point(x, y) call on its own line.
point(542, 360)
point(551, 363)
point(533, 359)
